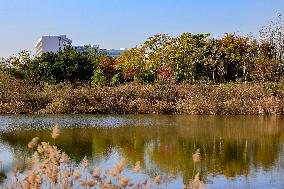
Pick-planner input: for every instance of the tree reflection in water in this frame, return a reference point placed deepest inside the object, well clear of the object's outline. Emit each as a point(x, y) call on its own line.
point(229, 146)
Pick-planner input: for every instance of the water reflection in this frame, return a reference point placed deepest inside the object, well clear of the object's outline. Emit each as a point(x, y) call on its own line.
point(231, 147)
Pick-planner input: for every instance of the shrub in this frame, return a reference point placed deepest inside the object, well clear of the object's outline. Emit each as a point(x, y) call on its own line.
point(117, 79)
point(98, 79)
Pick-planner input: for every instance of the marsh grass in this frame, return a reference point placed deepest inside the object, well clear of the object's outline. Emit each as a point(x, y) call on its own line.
point(18, 97)
point(49, 167)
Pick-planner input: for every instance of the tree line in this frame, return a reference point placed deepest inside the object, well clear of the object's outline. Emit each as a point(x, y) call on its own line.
point(186, 58)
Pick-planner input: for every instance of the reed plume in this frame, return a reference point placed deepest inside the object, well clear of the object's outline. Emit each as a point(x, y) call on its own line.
point(33, 142)
point(196, 183)
point(158, 180)
point(85, 162)
point(52, 168)
point(196, 156)
point(137, 167)
point(55, 132)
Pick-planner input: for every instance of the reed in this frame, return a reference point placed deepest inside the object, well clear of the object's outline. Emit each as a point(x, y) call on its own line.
point(49, 167)
point(17, 97)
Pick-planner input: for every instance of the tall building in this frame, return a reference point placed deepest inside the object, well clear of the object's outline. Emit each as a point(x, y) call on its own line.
point(52, 44)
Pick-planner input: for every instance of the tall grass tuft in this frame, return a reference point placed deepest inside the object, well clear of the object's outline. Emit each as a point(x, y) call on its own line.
point(49, 167)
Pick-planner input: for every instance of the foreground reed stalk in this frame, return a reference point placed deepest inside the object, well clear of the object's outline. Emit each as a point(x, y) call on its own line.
point(49, 167)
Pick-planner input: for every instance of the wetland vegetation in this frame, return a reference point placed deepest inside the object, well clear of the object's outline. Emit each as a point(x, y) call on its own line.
point(18, 97)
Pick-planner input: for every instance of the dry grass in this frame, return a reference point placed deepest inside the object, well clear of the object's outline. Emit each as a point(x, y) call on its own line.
point(17, 97)
point(49, 167)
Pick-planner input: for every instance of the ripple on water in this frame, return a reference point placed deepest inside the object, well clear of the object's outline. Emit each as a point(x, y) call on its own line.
point(34, 122)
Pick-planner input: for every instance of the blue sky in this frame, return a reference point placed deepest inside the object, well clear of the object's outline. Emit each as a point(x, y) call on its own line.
point(126, 23)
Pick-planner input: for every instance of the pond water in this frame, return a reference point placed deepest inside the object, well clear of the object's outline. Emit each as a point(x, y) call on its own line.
point(236, 151)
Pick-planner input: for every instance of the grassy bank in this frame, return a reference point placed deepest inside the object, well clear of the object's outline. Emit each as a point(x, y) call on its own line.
point(18, 97)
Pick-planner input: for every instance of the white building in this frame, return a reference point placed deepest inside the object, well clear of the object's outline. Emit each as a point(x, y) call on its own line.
point(52, 44)
point(55, 44)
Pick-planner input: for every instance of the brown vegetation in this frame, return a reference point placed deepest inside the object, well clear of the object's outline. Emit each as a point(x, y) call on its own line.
point(18, 97)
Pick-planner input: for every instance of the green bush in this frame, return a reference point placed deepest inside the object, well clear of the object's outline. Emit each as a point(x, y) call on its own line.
point(117, 79)
point(98, 79)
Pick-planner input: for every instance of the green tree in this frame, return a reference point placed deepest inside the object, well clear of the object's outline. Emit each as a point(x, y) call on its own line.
point(16, 65)
point(189, 60)
point(235, 57)
point(65, 66)
point(98, 79)
point(155, 56)
point(131, 63)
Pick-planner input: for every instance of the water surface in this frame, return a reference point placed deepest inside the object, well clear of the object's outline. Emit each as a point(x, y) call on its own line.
point(237, 151)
